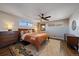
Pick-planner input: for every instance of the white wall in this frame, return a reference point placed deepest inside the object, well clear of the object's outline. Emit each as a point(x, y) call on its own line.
point(58, 31)
point(11, 19)
point(4, 18)
point(75, 17)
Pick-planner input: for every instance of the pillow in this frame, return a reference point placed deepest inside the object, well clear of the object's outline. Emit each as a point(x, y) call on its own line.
point(26, 31)
point(22, 33)
point(30, 31)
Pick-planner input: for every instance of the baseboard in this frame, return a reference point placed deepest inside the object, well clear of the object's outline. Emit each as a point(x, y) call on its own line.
point(56, 38)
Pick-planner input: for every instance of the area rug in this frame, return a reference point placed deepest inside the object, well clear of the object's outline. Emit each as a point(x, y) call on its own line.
point(48, 48)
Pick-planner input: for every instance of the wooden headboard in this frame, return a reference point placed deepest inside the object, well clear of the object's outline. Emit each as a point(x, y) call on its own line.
point(22, 30)
point(25, 30)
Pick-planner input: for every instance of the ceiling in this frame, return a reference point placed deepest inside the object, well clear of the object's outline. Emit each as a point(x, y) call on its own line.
point(32, 10)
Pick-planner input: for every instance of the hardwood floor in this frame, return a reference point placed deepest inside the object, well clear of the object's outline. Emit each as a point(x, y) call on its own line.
point(64, 50)
point(5, 52)
point(67, 51)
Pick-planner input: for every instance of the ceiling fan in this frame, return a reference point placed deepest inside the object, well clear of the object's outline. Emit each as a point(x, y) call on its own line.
point(44, 18)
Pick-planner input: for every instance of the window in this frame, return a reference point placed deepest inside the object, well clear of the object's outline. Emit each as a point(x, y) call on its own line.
point(24, 23)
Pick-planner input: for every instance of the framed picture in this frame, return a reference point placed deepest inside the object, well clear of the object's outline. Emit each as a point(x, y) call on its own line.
point(73, 25)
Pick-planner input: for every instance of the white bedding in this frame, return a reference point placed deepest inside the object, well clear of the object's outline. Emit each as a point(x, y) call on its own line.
point(23, 36)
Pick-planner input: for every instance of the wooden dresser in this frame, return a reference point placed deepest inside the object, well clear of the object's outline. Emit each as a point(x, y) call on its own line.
point(8, 37)
point(72, 41)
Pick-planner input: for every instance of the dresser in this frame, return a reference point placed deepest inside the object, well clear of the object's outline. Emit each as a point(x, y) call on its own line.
point(72, 41)
point(8, 38)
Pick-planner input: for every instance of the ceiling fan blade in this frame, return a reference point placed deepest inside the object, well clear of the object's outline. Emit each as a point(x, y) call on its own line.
point(48, 17)
point(44, 18)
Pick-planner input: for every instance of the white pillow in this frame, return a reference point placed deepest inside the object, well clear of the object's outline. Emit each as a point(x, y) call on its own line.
point(22, 33)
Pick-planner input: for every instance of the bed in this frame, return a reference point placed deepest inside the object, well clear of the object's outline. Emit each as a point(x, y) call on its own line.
point(34, 38)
